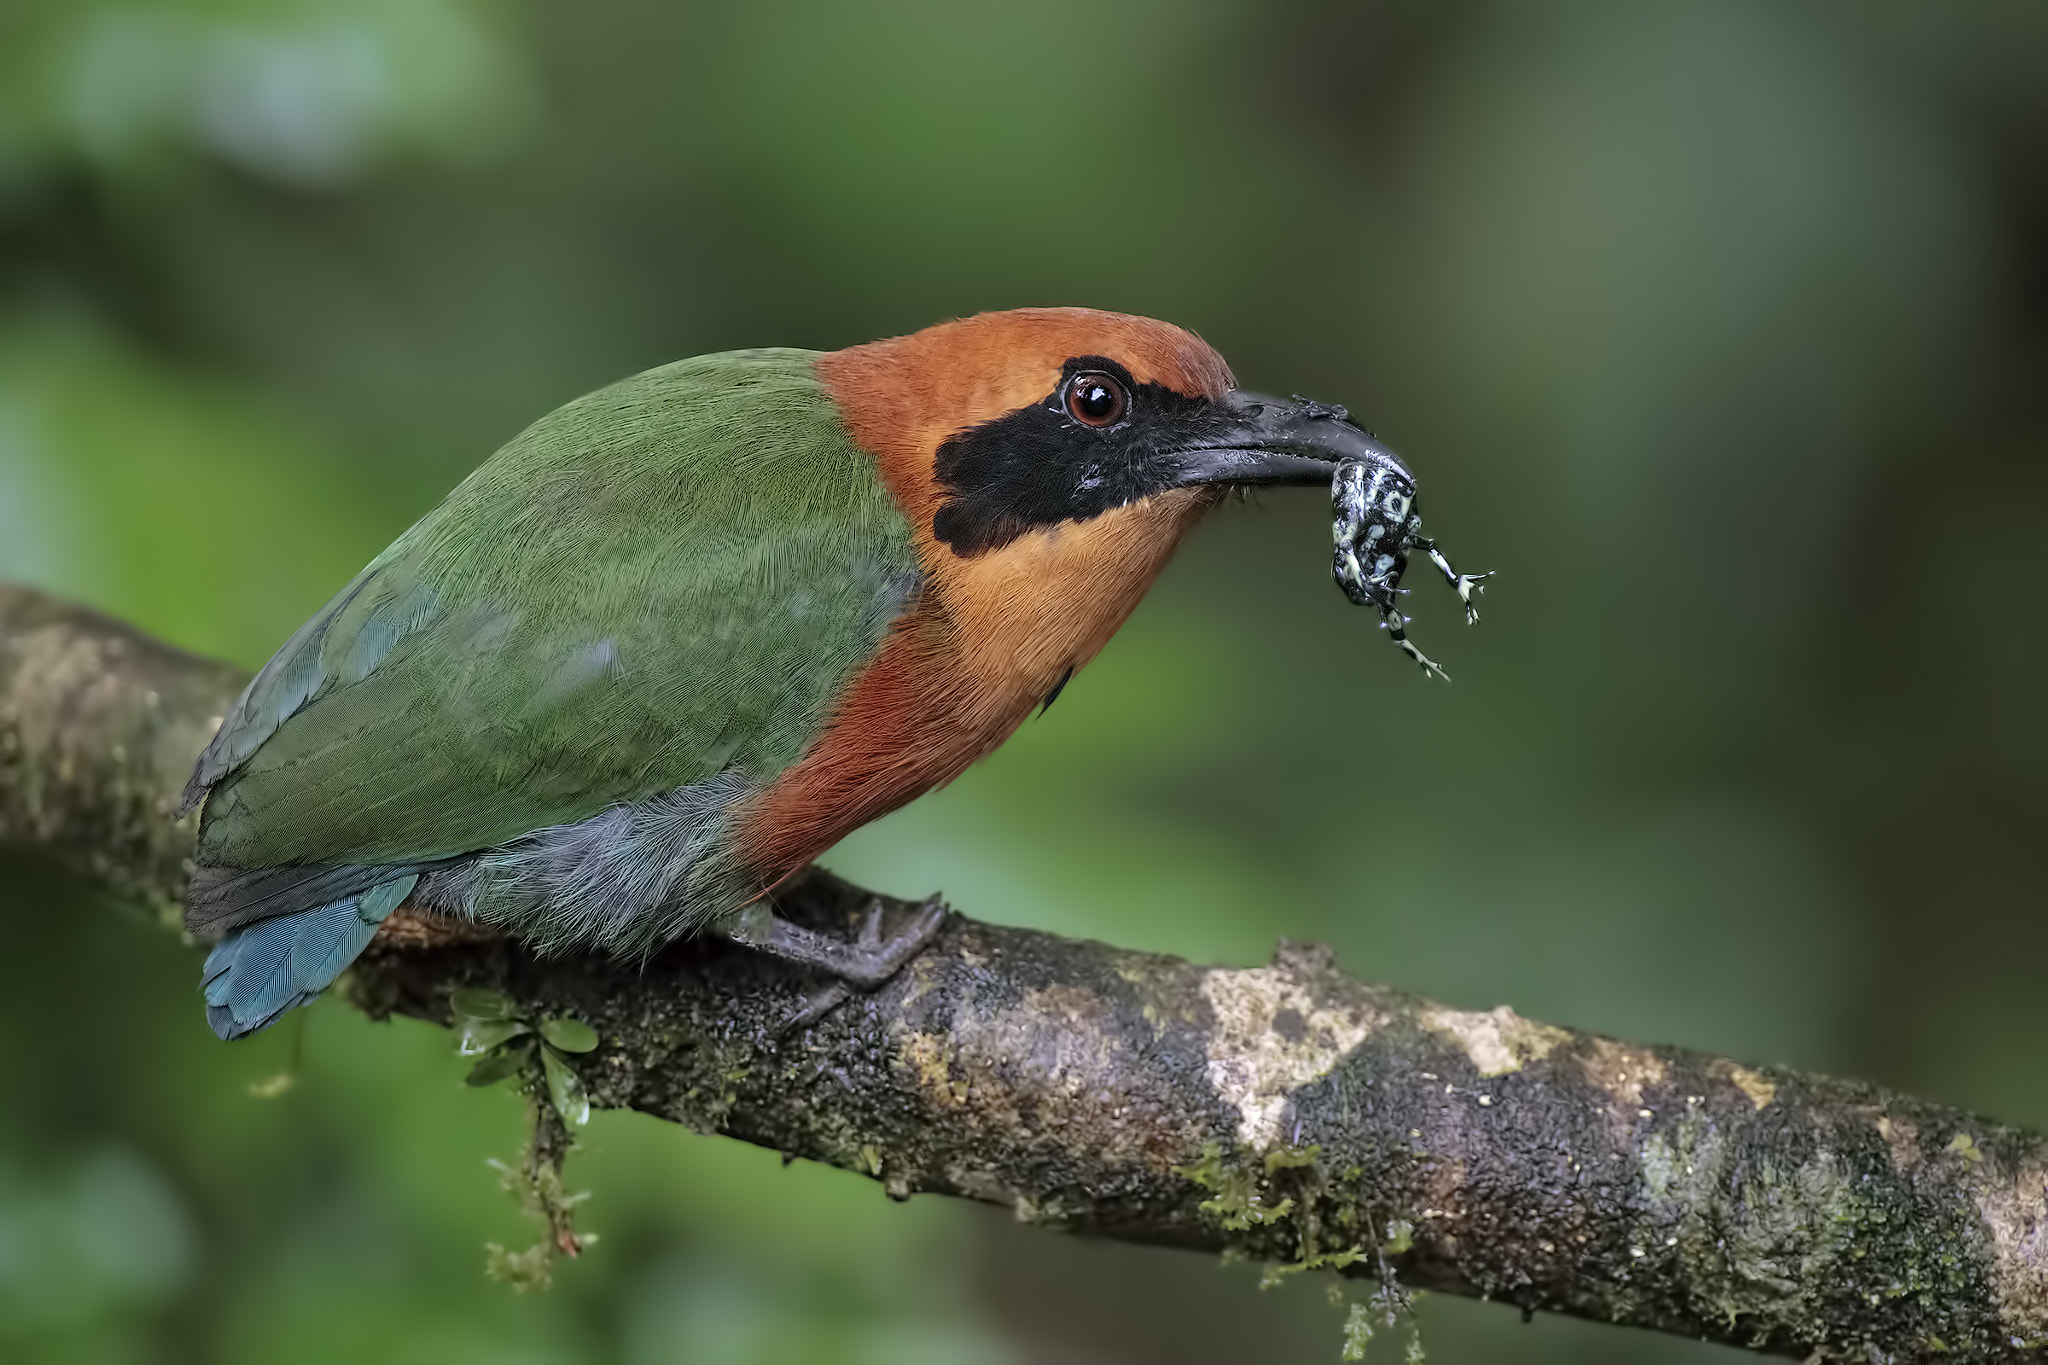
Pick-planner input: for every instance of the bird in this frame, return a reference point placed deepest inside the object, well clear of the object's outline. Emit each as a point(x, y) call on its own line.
point(681, 635)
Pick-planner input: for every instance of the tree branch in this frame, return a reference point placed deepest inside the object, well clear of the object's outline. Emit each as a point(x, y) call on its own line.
point(1284, 1112)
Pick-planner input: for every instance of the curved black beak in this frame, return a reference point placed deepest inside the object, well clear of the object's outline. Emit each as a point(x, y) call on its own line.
point(1262, 440)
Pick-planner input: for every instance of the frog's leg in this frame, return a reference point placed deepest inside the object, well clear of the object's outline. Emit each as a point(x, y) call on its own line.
point(1468, 585)
point(1396, 626)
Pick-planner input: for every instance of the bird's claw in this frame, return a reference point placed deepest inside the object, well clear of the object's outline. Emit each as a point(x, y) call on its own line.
point(869, 939)
point(876, 959)
point(866, 964)
point(815, 1007)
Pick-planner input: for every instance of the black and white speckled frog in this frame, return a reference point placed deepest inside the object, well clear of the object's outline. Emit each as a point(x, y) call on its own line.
point(1375, 526)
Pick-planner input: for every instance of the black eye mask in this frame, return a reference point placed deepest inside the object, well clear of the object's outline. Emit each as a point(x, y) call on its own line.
point(1039, 465)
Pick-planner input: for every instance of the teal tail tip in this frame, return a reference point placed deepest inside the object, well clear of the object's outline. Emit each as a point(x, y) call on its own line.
point(263, 970)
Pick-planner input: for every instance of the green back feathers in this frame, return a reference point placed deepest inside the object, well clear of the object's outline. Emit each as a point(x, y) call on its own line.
point(670, 578)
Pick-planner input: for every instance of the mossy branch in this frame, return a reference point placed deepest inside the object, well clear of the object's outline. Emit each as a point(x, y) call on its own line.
point(1283, 1112)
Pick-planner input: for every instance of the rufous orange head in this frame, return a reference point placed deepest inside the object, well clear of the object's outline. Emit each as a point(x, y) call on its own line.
point(990, 427)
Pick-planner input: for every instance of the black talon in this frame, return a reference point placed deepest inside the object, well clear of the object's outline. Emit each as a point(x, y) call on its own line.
point(816, 1007)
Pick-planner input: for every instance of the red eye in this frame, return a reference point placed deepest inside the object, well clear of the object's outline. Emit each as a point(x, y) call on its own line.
point(1096, 399)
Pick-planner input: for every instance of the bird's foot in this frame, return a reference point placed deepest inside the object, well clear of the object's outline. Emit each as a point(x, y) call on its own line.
point(866, 964)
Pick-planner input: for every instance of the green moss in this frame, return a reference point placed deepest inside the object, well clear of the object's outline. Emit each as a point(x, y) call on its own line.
point(1238, 1200)
point(1358, 1331)
point(1288, 1184)
point(535, 1180)
point(709, 1103)
point(529, 1271)
point(1290, 1158)
point(1386, 1310)
point(1280, 1271)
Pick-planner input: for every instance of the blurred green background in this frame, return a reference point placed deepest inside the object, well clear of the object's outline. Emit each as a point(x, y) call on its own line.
point(1720, 329)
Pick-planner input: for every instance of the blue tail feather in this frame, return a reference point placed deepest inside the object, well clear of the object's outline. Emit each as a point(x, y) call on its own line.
point(261, 970)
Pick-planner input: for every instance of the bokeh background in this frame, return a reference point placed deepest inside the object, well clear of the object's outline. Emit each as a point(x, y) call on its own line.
point(1720, 329)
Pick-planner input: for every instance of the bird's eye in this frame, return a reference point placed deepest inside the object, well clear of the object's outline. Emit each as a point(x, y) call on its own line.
point(1096, 400)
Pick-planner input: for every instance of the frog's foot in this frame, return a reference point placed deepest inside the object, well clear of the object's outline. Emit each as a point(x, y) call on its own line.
point(1396, 626)
point(1468, 586)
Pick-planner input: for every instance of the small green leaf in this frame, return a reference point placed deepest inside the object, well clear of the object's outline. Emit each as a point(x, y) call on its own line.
point(570, 1035)
point(481, 1035)
point(499, 1065)
point(480, 1002)
point(565, 1089)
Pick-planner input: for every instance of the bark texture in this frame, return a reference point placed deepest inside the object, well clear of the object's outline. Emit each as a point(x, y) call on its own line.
point(1285, 1112)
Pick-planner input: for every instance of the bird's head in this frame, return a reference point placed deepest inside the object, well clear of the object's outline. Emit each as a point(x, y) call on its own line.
point(996, 426)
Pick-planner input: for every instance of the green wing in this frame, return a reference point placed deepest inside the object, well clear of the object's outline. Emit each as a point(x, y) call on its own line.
point(672, 577)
